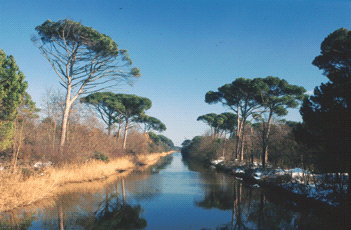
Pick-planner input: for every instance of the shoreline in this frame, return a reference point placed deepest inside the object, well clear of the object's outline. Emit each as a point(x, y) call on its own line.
point(299, 199)
point(15, 193)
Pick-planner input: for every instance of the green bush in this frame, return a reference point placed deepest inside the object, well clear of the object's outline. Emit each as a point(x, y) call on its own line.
point(101, 156)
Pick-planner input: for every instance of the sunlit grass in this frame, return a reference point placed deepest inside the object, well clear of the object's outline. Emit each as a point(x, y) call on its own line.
point(91, 170)
point(15, 192)
point(152, 158)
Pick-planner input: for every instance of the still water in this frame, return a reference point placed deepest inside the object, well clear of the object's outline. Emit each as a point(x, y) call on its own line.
point(180, 195)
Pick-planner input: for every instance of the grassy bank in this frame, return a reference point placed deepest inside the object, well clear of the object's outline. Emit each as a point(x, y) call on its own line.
point(16, 191)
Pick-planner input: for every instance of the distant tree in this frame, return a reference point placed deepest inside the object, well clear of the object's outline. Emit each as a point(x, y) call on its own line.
point(327, 114)
point(277, 96)
point(166, 141)
point(150, 123)
point(12, 92)
point(241, 97)
point(131, 107)
point(203, 149)
point(160, 142)
point(214, 121)
point(85, 60)
point(219, 123)
point(107, 105)
point(186, 143)
point(229, 124)
point(189, 145)
point(209, 119)
point(291, 124)
point(156, 139)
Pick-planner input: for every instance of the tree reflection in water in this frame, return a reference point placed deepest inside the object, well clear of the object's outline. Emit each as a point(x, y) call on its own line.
point(255, 208)
point(112, 214)
point(108, 209)
point(91, 207)
point(103, 206)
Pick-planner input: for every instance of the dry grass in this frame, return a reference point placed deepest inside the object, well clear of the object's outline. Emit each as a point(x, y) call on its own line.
point(152, 158)
point(91, 170)
point(15, 192)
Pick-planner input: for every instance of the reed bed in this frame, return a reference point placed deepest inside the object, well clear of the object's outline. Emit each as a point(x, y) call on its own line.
point(16, 192)
point(151, 159)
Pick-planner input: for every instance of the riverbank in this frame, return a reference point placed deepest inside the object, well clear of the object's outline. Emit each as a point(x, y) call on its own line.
point(297, 185)
point(17, 191)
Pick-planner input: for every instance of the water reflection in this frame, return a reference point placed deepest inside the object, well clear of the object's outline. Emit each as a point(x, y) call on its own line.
point(95, 205)
point(112, 214)
point(254, 208)
point(108, 210)
point(12, 220)
point(183, 195)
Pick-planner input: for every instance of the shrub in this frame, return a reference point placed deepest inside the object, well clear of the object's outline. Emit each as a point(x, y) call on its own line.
point(137, 143)
point(26, 173)
point(203, 148)
point(101, 156)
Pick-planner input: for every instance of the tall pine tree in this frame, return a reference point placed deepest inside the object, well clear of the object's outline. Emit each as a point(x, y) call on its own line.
point(12, 90)
point(327, 114)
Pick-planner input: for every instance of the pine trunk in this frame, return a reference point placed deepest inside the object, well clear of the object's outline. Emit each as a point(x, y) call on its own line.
point(125, 135)
point(266, 132)
point(65, 117)
point(242, 148)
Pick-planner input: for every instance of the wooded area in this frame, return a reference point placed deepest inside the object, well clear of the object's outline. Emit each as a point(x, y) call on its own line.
point(68, 130)
point(256, 133)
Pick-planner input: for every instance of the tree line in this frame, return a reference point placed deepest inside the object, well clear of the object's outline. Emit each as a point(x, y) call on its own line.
point(89, 66)
point(254, 129)
point(256, 104)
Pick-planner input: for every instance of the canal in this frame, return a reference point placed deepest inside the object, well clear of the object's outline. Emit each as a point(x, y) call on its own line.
point(179, 195)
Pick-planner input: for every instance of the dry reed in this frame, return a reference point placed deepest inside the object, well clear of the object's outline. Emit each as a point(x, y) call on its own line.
point(16, 192)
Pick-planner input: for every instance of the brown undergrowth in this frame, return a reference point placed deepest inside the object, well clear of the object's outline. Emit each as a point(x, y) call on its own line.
point(16, 192)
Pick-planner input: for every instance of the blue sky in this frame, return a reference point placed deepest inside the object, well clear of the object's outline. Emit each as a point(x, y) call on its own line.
point(185, 48)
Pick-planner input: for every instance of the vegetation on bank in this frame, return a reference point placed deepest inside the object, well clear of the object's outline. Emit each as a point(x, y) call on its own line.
point(24, 189)
point(320, 144)
point(70, 130)
point(85, 60)
point(27, 138)
point(69, 133)
point(68, 199)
